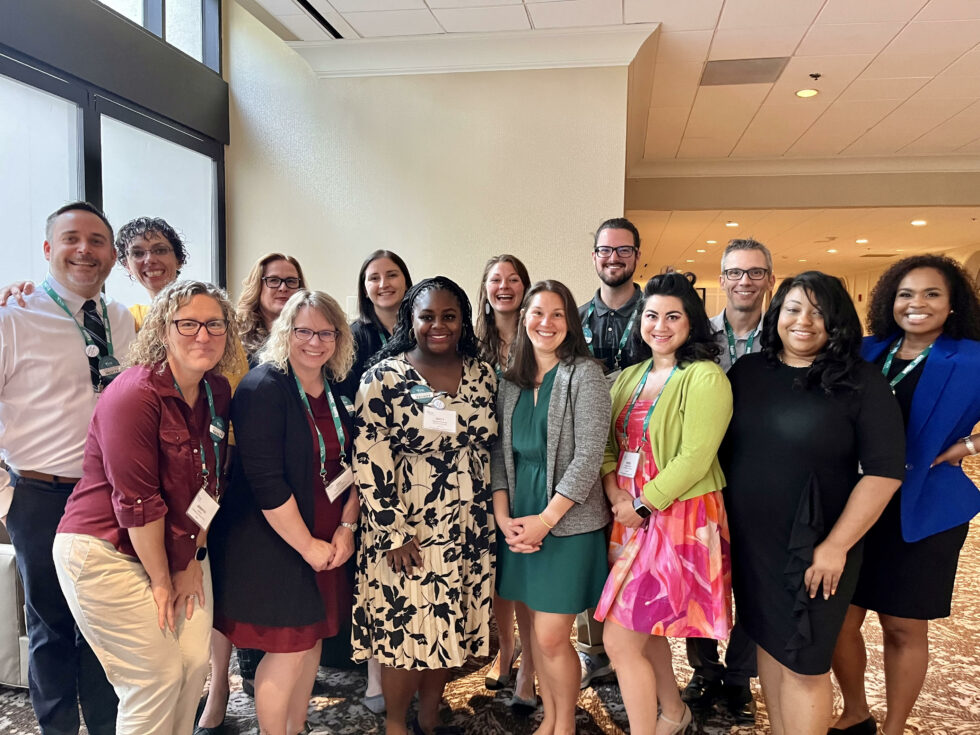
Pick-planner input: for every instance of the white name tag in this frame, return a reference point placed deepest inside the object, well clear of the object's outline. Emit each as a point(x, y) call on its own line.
point(203, 509)
point(340, 483)
point(628, 464)
point(438, 419)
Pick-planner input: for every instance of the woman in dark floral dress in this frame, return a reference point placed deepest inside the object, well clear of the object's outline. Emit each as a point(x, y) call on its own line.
point(425, 422)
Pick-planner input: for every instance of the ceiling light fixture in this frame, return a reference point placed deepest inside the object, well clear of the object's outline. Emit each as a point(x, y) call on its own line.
point(918, 223)
point(802, 260)
point(711, 242)
point(729, 223)
point(805, 93)
point(690, 260)
point(862, 241)
point(702, 251)
point(832, 250)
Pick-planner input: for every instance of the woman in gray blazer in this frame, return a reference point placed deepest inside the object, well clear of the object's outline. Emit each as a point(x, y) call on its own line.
point(553, 406)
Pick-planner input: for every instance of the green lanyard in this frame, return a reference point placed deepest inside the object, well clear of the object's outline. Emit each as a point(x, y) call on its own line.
point(636, 395)
point(217, 423)
point(336, 422)
point(622, 340)
point(730, 333)
point(384, 340)
point(89, 342)
point(908, 368)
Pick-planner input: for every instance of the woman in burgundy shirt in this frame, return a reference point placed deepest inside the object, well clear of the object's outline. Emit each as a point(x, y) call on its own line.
point(288, 525)
point(131, 551)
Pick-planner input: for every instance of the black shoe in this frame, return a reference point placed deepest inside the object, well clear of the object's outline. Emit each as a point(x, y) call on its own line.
point(701, 693)
point(736, 700)
point(865, 727)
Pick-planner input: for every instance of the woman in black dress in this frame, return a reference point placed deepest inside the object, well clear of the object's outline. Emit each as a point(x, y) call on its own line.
point(924, 317)
point(287, 526)
point(808, 412)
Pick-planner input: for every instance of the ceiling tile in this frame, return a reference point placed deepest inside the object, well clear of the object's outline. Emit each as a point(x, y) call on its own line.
point(575, 13)
point(305, 28)
point(951, 88)
point(836, 73)
point(394, 23)
point(970, 148)
point(848, 38)
point(869, 11)
point(959, 130)
point(755, 43)
point(968, 65)
point(709, 133)
point(683, 46)
point(883, 89)
point(481, 20)
point(356, 6)
point(954, 37)
point(334, 18)
point(840, 125)
point(280, 7)
point(665, 127)
point(950, 10)
point(890, 66)
point(675, 85)
point(766, 13)
point(434, 4)
point(689, 15)
point(910, 121)
point(777, 126)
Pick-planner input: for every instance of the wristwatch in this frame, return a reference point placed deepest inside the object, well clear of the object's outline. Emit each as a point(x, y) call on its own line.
point(349, 526)
point(641, 508)
point(970, 446)
point(202, 553)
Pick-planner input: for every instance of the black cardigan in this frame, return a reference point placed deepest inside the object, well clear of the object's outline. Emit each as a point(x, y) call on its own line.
point(367, 342)
point(259, 578)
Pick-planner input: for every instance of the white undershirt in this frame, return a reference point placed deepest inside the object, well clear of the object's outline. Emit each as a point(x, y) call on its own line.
point(46, 396)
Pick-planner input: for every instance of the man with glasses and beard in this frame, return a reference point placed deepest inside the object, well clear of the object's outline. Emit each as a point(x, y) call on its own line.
point(746, 278)
point(609, 319)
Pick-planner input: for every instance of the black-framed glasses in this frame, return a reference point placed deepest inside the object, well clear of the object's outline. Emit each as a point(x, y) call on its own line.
point(623, 251)
point(160, 251)
point(274, 282)
point(754, 274)
point(190, 327)
point(325, 335)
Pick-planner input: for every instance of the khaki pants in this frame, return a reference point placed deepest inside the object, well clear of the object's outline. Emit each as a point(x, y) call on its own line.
point(158, 676)
point(589, 632)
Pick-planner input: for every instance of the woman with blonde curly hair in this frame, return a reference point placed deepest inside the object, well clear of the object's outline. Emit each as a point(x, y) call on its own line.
point(274, 278)
point(131, 549)
point(288, 525)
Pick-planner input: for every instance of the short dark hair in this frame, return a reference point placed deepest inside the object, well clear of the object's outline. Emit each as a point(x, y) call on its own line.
point(618, 223)
point(700, 344)
point(140, 228)
point(74, 207)
point(403, 338)
point(836, 367)
point(523, 368)
point(365, 309)
point(963, 321)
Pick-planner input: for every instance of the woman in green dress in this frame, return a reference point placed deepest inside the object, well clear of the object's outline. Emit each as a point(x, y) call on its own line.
point(553, 407)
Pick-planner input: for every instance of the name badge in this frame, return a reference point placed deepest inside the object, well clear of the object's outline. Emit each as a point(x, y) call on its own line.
point(202, 510)
point(217, 430)
point(438, 419)
point(421, 394)
point(109, 367)
point(629, 463)
point(340, 483)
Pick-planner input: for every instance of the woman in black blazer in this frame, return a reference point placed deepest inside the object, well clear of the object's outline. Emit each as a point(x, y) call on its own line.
point(288, 522)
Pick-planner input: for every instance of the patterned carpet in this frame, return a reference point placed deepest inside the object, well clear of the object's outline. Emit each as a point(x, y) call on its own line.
point(949, 704)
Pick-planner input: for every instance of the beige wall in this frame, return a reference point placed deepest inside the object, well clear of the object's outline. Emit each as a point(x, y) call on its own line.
point(445, 169)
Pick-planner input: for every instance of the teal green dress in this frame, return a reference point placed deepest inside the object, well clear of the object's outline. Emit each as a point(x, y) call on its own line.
point(567, 575)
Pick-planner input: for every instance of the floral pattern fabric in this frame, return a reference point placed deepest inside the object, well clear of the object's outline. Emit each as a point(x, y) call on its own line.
point(433, 486)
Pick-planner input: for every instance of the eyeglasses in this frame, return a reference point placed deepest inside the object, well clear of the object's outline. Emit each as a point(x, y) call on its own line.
point(157, 252)
point(325, 335)
point(623, 251)
point(754, 274)
point(275, 282)
point(190, 327)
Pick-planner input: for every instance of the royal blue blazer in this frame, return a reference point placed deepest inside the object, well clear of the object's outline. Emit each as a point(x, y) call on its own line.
point(945, 408)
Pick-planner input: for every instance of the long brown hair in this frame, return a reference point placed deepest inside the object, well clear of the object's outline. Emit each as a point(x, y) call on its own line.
point(486, 324)
point(523, 367)
point(250, 324)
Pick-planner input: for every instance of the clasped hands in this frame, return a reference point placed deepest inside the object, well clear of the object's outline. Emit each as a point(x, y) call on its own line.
point(322, 555)
point(523, 535)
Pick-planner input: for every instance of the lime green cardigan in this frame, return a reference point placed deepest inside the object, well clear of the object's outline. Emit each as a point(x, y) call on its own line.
point(685, 431)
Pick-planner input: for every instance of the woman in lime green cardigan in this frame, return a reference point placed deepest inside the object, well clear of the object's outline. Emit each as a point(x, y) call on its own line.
point(671, 573)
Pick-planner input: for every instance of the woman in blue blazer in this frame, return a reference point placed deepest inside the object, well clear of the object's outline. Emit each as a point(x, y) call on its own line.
point(924, 317)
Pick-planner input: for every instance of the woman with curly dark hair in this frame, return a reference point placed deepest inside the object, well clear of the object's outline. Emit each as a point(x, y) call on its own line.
point(925, 339)
point(812, 456)
point(671, 574)
point(425, 420)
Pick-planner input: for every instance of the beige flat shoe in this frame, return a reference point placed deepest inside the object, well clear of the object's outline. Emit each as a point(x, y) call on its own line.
point(681, 725)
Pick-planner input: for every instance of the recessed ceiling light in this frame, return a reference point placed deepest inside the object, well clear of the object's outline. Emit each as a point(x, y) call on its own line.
point(899, 250)
point(802, 260)
point(832, 250)
point(702, 251)
point(729, 223)
point(862, 241)
point(690, 260)
point(918, 223)
point(711, 242)
point(804, 93)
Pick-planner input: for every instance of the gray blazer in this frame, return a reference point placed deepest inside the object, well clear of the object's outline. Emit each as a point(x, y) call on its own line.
point(578, 426)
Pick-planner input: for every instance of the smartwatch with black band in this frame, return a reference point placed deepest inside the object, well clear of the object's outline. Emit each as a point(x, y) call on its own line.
point(641, 508)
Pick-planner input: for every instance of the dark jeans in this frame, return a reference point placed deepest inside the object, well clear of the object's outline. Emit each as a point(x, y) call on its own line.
point(62, 670)
point(739, 666)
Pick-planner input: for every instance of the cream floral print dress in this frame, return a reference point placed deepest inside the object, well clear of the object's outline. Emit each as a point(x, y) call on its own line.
point(435, 486)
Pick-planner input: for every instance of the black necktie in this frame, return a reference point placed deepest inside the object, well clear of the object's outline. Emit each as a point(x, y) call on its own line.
point(96, 330)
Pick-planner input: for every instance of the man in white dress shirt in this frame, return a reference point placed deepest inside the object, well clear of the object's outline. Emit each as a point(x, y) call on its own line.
point(746, 278)
point(56, 354)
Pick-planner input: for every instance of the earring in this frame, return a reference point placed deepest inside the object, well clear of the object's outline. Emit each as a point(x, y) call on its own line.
point(486, 308)
point(411, 334)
